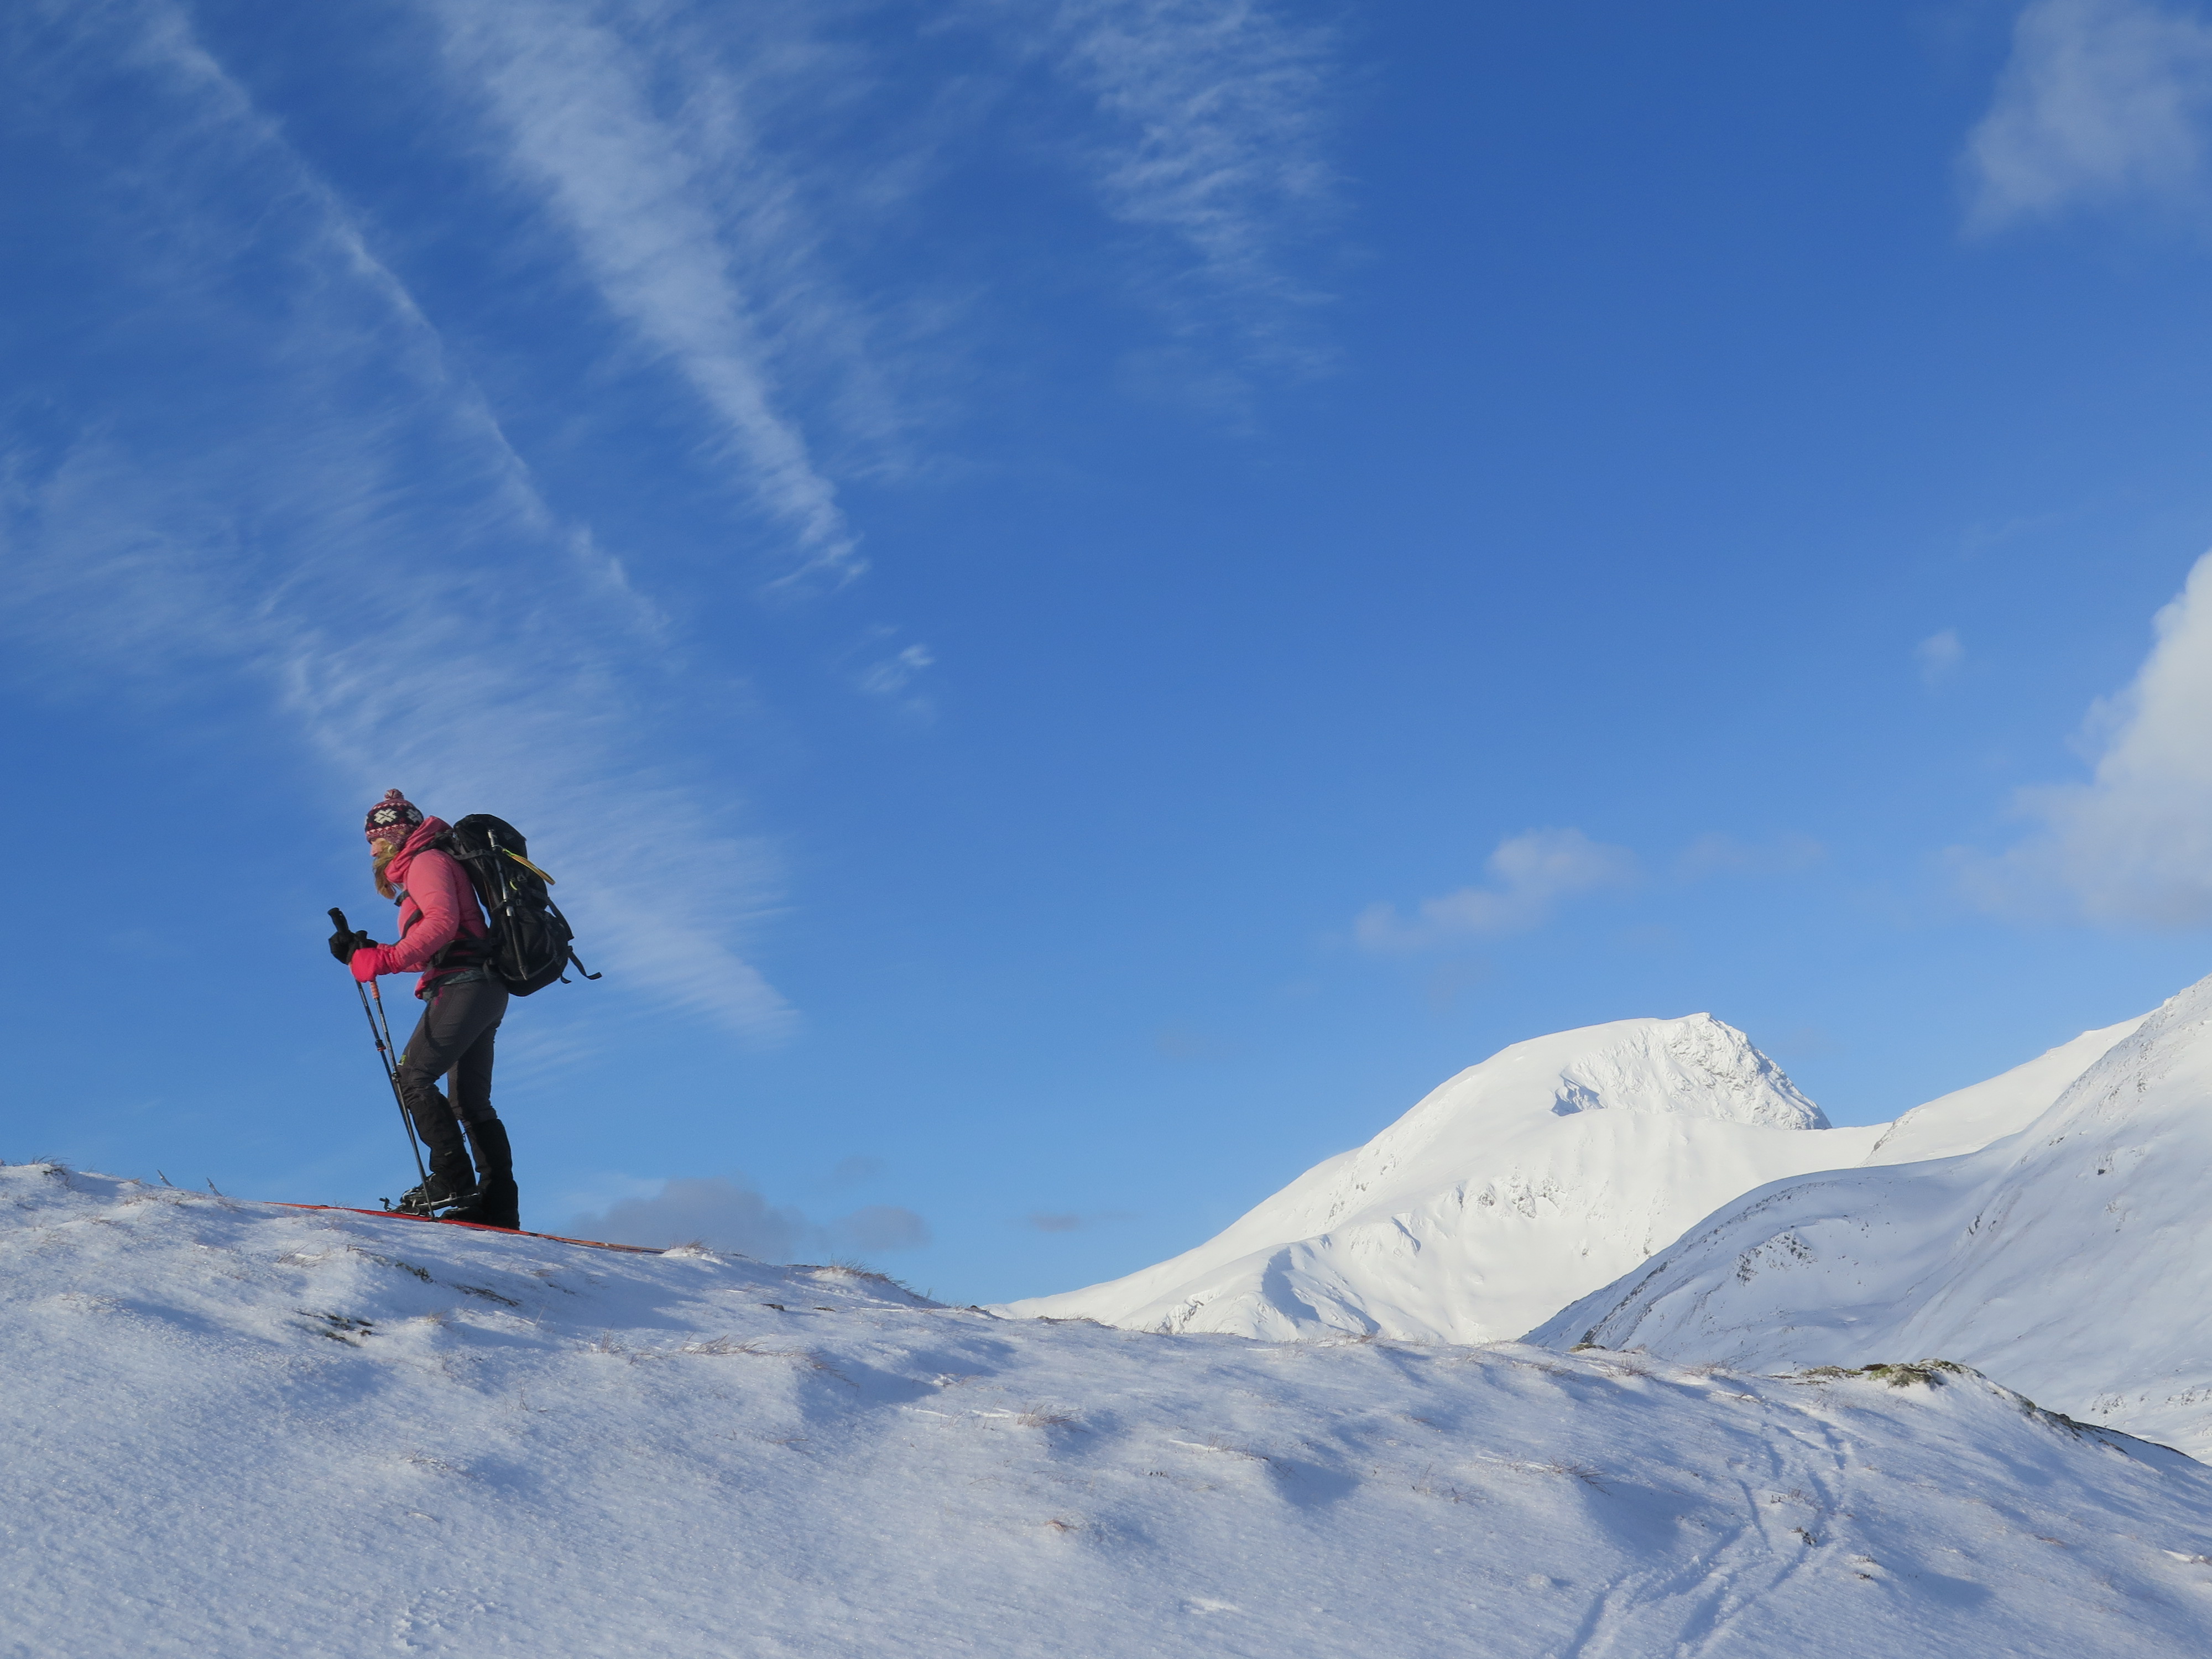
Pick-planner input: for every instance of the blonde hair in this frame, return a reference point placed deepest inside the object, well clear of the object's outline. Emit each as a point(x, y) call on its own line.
point(383, 852)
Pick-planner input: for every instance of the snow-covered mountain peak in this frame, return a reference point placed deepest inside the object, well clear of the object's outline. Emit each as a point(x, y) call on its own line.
point(1694, 1067)
point(1699, 1066)
point(1511, 1187)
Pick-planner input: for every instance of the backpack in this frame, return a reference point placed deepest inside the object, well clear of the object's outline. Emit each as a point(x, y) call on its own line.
point(530, 944)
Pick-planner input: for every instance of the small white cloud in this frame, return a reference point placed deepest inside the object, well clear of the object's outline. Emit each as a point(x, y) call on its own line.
point(890, 677)
point(1530, 873)
point(2100, 99)
point(852, 1171)
point(1939, 656)
point(1056, 1221)
point(881, 1227)
point(721, 1214)
point(1188, 1042)
point(1714, 854)
point(2134, 844)
point(729, 1215)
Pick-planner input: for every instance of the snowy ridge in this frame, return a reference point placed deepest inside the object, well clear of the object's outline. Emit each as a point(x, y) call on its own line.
point(239, 1429)
point(1967, 1119)
point(2071, 1258)
point(1516, 1186)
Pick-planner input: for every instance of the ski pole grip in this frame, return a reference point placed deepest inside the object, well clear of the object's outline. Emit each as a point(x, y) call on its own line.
point(338, 921)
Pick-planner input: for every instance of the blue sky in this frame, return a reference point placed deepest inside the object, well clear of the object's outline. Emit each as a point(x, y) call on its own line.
point(1089, 598)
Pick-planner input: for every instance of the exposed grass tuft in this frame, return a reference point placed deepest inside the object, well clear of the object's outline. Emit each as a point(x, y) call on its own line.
point(1927, 1373)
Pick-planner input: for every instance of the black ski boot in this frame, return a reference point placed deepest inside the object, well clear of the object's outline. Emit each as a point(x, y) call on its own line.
point(449, 1186)
point(495, 1203)
point(434, 1197)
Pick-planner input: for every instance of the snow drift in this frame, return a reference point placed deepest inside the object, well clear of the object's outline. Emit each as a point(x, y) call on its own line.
point(1519, 1184)
point(2071, 1258)
point(245, 1430)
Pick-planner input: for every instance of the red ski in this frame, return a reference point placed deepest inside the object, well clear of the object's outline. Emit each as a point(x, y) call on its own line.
point(476, 1226)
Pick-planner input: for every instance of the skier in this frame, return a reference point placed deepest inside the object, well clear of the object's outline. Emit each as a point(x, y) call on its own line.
point(439, 925)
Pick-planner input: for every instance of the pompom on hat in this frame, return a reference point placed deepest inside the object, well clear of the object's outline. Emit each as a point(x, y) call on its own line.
point(393, 818)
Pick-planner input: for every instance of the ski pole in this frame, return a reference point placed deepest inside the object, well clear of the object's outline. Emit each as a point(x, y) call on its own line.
point(391, 1073)
point(383, 1040)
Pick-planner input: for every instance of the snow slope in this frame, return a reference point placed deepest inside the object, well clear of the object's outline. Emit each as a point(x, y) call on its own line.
point(1519, 1184)
point(1969, 1119)
point(238, 1429)
point(2072, 1258)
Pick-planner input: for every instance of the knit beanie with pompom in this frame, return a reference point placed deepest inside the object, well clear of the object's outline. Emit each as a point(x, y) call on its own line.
point(393, 818)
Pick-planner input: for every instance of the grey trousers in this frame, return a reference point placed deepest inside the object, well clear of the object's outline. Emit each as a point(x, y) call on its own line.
point(455, 1034)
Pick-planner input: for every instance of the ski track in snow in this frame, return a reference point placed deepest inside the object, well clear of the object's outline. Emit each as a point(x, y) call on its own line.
point(247, 1430)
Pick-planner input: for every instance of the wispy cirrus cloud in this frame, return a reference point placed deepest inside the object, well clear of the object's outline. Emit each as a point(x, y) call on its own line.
point(717, 174)
point(692, 270)
point(338, 522)
point(240, 538)
point(1530, 873)
point(1216, 121)
point(2099, 101)
point(891, 673)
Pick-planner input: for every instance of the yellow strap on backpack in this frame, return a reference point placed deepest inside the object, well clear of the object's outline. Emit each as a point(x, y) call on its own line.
point(528, 866)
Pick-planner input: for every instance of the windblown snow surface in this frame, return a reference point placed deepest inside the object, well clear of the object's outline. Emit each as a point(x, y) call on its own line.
point(1522, 1183)
point(2071, 1258)
point(240, 1429)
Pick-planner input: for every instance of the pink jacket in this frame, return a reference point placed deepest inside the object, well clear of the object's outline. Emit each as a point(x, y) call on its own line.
point(436, 904)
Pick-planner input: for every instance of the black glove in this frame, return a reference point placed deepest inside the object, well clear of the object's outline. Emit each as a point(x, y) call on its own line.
point(346, 940)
